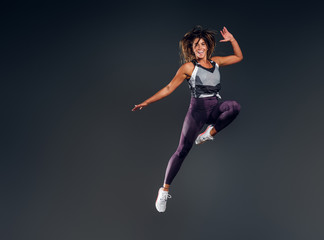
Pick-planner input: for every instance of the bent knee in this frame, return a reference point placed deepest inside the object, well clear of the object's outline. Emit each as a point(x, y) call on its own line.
point(231, 106)
point(236, 107)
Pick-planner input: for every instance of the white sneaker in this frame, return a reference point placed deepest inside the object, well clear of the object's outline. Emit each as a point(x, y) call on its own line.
point(161, 200)
point(205, 136)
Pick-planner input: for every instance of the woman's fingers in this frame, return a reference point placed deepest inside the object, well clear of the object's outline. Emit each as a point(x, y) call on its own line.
point(224, 31)
point(137, 107)
point(226, 35)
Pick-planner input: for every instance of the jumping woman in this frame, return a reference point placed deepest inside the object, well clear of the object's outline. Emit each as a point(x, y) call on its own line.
point(201, 70)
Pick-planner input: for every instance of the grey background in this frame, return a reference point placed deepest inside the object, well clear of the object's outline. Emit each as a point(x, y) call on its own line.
point(76, 163)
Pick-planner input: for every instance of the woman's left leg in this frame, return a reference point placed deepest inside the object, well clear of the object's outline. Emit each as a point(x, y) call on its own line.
point(223, 115)
point(220, 116)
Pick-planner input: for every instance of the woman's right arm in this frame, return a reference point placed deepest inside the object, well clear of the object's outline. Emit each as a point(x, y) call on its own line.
point(183, 72)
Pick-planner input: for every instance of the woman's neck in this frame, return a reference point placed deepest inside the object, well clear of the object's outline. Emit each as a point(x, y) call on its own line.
point(204, 62)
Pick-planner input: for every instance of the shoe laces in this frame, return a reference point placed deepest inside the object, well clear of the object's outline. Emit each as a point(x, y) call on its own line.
point(207, 137)
point(165, 196)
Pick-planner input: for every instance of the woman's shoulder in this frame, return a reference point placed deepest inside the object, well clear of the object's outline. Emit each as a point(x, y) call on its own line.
point(216, 59)
point(187, 68)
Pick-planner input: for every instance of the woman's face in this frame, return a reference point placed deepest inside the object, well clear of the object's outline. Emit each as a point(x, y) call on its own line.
point(199, 47)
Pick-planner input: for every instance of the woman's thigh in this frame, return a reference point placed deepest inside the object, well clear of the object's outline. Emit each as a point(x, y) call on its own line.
point(224, 111)
point(194, 121)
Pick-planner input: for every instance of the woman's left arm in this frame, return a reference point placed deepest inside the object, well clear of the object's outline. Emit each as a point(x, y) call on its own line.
point(231, 59)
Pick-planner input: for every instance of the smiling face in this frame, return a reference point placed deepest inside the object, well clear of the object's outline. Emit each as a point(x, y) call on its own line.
point(200, 48)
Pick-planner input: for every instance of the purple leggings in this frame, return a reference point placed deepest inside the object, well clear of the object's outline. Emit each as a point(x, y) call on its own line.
point(201, 111)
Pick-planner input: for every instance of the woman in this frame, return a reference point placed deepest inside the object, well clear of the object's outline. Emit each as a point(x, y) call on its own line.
point(201, 71)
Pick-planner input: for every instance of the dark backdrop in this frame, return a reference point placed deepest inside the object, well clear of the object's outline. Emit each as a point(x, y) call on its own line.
point(76, 163)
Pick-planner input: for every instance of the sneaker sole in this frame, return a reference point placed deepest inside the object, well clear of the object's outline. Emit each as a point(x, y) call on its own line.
point(156, 202)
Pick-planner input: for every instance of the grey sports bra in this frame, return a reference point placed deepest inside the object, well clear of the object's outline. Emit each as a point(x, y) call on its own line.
point(205, 82)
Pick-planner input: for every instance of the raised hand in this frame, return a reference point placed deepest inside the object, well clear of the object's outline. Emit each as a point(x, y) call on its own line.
point(226, 35)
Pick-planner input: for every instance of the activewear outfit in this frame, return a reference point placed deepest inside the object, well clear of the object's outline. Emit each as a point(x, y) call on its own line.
point(206, 107)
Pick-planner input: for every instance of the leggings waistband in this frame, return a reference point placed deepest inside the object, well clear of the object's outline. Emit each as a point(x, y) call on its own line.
point(204, 103)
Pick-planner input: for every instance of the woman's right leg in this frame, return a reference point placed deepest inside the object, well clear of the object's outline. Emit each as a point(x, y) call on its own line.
point(193, 123)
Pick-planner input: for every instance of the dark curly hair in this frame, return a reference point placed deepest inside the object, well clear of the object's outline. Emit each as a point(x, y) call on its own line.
point(185, 45)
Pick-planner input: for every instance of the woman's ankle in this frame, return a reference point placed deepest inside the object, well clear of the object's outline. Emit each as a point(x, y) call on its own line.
point(213, 132)
point(166, 187)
